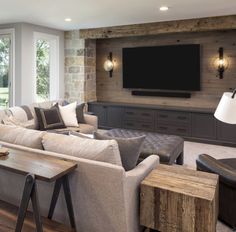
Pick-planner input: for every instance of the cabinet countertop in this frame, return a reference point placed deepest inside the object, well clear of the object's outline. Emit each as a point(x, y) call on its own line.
point(160, 107)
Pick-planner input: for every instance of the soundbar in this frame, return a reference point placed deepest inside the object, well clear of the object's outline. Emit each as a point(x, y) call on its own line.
point(160, 94)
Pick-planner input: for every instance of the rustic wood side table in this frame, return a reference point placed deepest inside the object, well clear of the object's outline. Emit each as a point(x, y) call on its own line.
point(177, 199)
point(39, 167)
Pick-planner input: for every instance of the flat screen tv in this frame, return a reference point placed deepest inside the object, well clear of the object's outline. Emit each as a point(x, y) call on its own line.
point(174, 67)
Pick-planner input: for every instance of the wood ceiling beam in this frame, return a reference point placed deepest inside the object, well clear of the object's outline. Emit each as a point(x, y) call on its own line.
point(188, 25)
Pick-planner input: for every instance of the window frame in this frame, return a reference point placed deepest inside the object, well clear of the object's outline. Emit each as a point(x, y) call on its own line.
point(11, 33)
point(54, 55)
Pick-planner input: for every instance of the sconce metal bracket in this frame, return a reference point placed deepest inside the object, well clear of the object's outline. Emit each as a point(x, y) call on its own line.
point(110, 58)
point(221, 68)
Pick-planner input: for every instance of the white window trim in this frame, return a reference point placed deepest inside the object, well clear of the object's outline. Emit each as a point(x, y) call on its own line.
point(54, 64)
point(11, 33)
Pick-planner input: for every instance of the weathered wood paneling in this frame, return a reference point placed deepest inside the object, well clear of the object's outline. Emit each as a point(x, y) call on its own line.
point(110, 89)
point(190, 25)
point(176, 199)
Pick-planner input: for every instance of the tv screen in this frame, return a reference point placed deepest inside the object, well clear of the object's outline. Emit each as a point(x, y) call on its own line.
point(175, 67)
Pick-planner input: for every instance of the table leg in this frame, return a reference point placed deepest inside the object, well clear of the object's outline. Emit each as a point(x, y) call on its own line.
point(36, 210)
point(55, 196)
point(68, 198)
point(30, 192)
point(66, 187)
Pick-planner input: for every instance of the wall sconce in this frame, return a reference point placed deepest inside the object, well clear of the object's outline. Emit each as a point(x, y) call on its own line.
point(108, 64)
point(221, 63)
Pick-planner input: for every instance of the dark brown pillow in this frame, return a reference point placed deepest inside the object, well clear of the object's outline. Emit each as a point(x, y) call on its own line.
point(49, 119)
point(130, 149)
point(80, 113)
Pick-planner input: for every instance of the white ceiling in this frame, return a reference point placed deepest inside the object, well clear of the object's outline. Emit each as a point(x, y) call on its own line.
point(100, 13)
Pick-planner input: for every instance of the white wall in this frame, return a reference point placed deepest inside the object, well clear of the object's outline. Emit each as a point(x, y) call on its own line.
point(24, 58)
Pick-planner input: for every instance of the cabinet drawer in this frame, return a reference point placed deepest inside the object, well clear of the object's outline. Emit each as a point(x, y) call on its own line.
point(172, 129)
point(139, 114)
point(181, 130)
point(165, 129)
point(136, 125)
point(173, 116)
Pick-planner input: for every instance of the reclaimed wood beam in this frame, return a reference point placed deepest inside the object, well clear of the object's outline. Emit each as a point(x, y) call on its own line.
point(188, 25)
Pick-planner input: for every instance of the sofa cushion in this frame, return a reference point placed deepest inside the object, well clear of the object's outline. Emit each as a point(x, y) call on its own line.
point(64, 131)
point(86, 128)
point(4, 115)
point(12, 121)
point(105, 151)
point(21, 136)
point(49, 118)
point(81, 135)
point(129, 149)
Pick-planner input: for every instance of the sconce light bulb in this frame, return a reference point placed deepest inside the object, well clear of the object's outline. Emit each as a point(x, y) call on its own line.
point(221, 62)
point(108, 65)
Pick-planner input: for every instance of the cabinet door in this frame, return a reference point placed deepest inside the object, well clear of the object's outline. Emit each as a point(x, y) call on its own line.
point(115, 116)
point(226, 132)
point(203, 126)
point(101, 112)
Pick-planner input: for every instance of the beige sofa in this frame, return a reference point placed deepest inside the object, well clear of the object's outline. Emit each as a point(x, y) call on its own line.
point(19, 114)
point(105, 197)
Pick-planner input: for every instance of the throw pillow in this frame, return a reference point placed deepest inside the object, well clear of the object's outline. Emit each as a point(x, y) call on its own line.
point(80, 113)
point(130, 149)
point(68, 114)
point(49, 119)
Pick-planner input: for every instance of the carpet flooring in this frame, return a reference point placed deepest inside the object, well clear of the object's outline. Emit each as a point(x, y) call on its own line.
point(191, 152)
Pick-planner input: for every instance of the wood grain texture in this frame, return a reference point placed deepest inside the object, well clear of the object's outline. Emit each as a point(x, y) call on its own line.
point(176, 199)
point(212, 88)
point(8, 217)
point(190, 25)
point(46, 168)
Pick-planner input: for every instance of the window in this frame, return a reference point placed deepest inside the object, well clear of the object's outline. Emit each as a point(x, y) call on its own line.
point(46, 67)
point(6, 68)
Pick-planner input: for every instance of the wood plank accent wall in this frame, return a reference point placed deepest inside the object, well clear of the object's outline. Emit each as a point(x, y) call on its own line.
point(190, 25)
point(110, 89)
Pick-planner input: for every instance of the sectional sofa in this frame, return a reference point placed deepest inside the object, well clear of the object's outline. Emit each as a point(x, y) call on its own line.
point(105, 196)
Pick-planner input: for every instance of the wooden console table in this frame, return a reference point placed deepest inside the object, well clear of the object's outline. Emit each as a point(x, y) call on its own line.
point(176, 199)
point(39, 167)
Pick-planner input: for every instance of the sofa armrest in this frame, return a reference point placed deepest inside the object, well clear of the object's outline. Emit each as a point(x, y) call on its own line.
point(132, 189)
point(143, 168)
point(209, 164)
point(91, 120)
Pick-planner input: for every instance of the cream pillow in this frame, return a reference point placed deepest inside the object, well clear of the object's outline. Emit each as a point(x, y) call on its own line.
point(68, 114)
point(99, 150)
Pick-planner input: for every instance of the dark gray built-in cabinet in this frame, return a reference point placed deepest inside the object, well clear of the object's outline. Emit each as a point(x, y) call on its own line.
point(193, 124)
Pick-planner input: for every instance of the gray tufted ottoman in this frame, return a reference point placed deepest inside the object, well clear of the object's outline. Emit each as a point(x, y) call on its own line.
point(168, 147)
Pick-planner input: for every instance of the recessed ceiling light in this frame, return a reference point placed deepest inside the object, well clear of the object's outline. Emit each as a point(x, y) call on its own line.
point(68, 19)
point(164, 8)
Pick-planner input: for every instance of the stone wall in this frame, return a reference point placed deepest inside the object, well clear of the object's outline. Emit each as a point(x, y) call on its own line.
point(80, 68)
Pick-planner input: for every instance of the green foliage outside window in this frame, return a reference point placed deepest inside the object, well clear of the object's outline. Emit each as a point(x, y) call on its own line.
point(4, 71)
point(43, 70)
point(4, 61)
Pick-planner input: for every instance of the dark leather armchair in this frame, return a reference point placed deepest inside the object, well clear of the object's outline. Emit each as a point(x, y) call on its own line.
point(226, 169)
